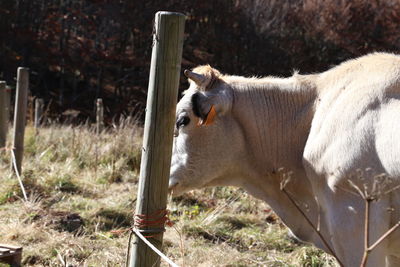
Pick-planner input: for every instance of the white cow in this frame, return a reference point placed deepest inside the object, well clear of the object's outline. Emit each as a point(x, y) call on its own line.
point(334, 133)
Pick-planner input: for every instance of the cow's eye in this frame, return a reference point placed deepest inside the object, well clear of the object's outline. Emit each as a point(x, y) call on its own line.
point(183, 121)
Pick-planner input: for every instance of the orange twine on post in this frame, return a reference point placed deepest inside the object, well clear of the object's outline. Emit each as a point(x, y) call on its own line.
point(156, 221)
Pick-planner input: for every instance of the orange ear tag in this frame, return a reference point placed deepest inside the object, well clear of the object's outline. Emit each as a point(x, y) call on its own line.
point(210, 117)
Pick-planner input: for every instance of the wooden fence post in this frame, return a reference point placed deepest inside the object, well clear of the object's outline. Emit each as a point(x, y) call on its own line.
point(3, 115)
point(21, 100)
point(99, 115)
point(11, 255)
point(158, 134)
point(38, 112)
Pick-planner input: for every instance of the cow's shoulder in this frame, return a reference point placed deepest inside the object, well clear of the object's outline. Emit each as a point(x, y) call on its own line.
point(352, 103)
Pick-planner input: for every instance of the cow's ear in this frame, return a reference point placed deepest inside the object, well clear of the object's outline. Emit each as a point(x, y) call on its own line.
point(210, 117)
point(203, 109)
point(204, 77)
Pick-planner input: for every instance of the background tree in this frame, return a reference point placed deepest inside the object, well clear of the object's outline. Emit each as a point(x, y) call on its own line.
point(79, 50)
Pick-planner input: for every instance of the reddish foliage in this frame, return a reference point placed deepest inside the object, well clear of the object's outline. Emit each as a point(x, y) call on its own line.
point(79, 50)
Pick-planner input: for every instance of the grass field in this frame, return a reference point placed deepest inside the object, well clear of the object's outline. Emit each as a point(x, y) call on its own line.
point(82, 187)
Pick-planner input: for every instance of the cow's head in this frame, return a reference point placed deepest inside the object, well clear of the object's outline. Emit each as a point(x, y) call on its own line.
point(208, 140)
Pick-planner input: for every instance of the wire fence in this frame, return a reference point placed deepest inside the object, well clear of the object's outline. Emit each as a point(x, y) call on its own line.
point(14, 166)
point(147, 242)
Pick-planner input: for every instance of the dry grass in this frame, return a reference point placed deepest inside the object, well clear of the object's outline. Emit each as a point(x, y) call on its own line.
point(76, 200)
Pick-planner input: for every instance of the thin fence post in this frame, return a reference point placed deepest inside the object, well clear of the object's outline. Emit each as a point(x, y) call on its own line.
point(99, 115)
point(38, 112)
point(99, 128)
point(3, 115)
point(158, 134)
point(21, 100)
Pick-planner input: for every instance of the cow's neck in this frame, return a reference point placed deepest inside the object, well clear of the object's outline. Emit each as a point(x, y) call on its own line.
point(275, 115)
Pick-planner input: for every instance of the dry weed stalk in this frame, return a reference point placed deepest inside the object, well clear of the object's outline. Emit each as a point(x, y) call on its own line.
point(181, 246)
point(379, 189)
point(62, 259)
point(211, 215)
point(286, 179)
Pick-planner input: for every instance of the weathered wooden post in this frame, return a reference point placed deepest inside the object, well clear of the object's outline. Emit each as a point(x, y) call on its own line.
point(11, 255)
point(21, 100)
point(39, 103)
point(99, 115)
point(3, 115)
point(158, 134)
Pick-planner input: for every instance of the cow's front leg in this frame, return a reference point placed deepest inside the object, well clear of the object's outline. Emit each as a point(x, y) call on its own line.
point(344, 217)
